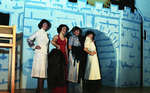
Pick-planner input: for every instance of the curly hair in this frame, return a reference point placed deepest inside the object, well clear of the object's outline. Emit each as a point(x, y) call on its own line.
point(90, 32)
point(60, 28)
point(76, 28)
point(44, 21)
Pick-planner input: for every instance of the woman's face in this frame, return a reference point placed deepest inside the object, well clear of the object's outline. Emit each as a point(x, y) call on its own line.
point(90, 36)
point(76, 32)
point(44, 26)
point(63, 30)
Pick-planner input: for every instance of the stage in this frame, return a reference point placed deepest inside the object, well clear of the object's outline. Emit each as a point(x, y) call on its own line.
point(100, 90)
point(95, 88)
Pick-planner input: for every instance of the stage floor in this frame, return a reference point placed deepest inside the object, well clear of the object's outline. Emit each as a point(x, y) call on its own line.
point(102, 90)
point(93, 87)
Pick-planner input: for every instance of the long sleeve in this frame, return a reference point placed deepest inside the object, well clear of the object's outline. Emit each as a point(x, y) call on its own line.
point(31, 40)
point(71, 41)
point(87, 43)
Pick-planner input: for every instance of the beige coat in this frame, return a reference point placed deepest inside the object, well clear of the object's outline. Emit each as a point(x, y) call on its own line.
point(39, 67)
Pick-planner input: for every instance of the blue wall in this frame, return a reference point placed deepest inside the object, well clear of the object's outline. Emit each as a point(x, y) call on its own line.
point(117, 36)
point(146, 52)
point(144, 8)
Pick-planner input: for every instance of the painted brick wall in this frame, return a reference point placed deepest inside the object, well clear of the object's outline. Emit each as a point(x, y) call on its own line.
point(146, 64)
point(130, 71)
point(124, 54)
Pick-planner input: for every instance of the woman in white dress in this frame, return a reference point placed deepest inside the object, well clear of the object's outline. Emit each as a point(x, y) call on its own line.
point(74, 54)
point(92, 71)
point(39, 67)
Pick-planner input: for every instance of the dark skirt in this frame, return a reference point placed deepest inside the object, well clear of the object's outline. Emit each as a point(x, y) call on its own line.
point(56, 69)
point(80, 56)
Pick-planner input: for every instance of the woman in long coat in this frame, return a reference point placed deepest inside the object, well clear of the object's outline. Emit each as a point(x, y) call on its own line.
point(39, 67)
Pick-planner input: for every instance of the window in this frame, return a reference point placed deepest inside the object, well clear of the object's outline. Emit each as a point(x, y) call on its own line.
point(74, 1)
point(4, 19)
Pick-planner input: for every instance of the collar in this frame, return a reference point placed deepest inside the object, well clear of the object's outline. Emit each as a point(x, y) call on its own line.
point(42, 30)
point(75, 36)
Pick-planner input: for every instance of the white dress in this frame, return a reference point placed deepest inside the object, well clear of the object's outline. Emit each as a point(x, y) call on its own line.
point(39, 67)
point(73, 71)
point(92, 71)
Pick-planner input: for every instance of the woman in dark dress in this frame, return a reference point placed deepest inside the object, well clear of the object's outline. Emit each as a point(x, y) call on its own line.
point(60, 42)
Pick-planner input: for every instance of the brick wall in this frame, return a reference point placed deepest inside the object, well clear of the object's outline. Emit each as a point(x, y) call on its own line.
point(146, 64)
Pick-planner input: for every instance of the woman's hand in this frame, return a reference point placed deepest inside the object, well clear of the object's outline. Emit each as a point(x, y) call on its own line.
point(92, 53)
point(58, 46)
point(38, 47)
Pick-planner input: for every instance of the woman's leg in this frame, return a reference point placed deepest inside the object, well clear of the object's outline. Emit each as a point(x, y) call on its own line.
point(40, 85)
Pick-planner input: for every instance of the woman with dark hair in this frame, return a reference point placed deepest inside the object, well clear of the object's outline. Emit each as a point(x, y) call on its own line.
point(60, 42)
point(39, 68)
point(44, 21)
point(75, 57)
point(92, 71)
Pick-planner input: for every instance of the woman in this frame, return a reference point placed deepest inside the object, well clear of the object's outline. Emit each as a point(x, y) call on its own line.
point(74, 54)
point(39, 68)
point(92, 71)
point(60, 42)
point(75, 57)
